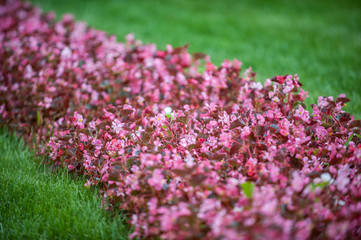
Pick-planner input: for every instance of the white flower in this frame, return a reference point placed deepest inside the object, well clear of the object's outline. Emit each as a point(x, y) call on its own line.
point(48, 102)
point(168, 110)
point(256, 85)
point(79, 118)
point(183, 142)
point(66, 53)
point(189, 161)
point(275, 99)
point(326, 177)
point(117, 125)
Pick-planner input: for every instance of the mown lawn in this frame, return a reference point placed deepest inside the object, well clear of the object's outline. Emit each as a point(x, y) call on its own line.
point(318, 40)
point(36, 204)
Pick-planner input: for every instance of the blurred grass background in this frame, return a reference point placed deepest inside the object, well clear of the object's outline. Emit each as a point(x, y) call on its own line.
point(319, 40)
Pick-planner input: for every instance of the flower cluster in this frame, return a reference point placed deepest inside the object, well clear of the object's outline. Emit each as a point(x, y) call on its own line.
point(189, 154)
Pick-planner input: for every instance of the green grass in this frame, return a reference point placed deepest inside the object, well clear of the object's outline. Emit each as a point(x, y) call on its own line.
point(37, 204)
point(319, 40)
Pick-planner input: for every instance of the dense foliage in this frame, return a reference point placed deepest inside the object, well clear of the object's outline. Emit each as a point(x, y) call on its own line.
point(190, 154)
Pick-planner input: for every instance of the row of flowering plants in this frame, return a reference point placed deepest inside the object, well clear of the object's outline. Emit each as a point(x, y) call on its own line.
point(188, 154)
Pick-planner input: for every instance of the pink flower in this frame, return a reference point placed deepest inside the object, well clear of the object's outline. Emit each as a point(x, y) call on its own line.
point(224, 119)
point(67, 18)
point(157, 180)
point(212, 124)
point(2, 108)
point(97, 143)
point(189, 160)
point(181, 79)
point(211, 107)
point(148, 159)
point(275, 99)
point(79, 120)
point(47, 102)
point(297, 181)
point(226, 139)
point(316, 113)
point(183, 142)
point(152, 205)
point(246, 131)
point(212, 141)
point(66, 53)
point(117, 125)
point(105, 177)
point(261, 120)
point(274, 173)
point(208, 207)
point(285, 127)
point(159, 119)
point(28, 72)
point(96, 153)
point(320, 132)
point(302, 114)
point(323, 101)
point(289, 84)
point(342, 179)
point(304, 228)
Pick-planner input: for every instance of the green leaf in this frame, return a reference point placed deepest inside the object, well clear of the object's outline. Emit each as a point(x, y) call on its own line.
point(170, 116)
point(39, 118)
point(248, 188)
point(320, 185)
point(131, 161)
point(349, 139)
point(52, 129)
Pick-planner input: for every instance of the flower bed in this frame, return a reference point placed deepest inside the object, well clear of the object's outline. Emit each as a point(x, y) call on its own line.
point(190, 154)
